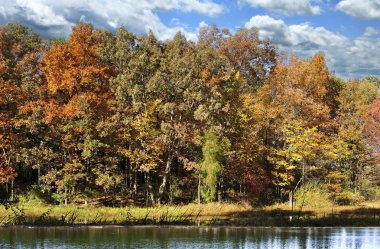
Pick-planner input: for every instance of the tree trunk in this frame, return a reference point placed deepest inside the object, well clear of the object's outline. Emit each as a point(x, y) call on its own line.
point(134, 193)
point(170, 190)
point(199, 188)
point(303, 170)
point(131, 174)
point(65, 196)
point(219, 190)
point(149, 190)
point(126, 169)
point(12, 194)
point(161, 190)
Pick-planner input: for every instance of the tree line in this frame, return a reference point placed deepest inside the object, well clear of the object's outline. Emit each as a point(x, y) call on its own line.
point(118, 118)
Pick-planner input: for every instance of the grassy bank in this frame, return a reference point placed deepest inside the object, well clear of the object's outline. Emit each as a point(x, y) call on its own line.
point(240, 214)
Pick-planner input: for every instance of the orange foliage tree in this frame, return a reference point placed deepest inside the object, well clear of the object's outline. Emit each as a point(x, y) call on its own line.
point(78, 90)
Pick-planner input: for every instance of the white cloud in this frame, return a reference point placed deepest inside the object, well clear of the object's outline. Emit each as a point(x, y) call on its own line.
point(364, 9)
point(54, 18)
point(347, 58)
point(371, 31)
point(287, 7)
point(300, 35)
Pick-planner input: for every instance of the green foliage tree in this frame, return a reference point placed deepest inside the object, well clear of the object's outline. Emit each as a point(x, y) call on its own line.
point(213, 151)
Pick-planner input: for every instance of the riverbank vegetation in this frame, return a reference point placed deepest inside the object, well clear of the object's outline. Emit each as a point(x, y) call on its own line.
point(120, 120)
point(236, 214)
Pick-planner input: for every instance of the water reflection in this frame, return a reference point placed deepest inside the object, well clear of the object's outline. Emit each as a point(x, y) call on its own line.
point(188, 237)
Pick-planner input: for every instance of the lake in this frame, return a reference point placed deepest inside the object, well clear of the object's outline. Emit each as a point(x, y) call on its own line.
point(187, 237)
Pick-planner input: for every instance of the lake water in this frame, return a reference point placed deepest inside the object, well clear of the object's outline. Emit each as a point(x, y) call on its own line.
point(188, 237)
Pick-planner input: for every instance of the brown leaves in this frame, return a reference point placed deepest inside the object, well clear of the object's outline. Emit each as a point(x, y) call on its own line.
point(300, 89)
point(7, 173)
point(373, 123)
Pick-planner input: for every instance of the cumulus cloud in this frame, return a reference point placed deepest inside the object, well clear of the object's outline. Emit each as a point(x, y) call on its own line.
point(364, 9)
point(347, 58)
point(53, 18)
point(371, 31)
point(296, 36)
point(287, 7)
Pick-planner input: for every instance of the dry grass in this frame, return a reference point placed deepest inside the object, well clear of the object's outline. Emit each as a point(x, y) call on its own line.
point(212, 213)
point(71, 214)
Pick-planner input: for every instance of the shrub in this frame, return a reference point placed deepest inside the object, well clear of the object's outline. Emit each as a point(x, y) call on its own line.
point(35, 196)
point(312, 195)
point(347, 197)
point(374, 194)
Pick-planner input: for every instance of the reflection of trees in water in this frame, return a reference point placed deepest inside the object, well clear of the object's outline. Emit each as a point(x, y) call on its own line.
point(188, 237)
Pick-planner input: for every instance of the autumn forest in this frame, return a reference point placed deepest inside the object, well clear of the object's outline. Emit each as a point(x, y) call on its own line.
point(120, 119)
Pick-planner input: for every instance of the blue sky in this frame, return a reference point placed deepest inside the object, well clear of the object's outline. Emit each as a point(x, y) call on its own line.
point(348, 31)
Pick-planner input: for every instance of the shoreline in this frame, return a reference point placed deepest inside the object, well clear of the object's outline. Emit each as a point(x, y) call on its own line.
point(185, 227)
point(210, 215)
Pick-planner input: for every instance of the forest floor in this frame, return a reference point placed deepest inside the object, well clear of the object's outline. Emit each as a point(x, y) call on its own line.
point(234, 214)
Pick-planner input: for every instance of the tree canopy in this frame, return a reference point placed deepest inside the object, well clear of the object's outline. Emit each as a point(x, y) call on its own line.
point(120, 119)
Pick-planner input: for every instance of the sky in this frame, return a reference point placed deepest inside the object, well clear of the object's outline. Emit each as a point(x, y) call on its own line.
point(348, 31)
